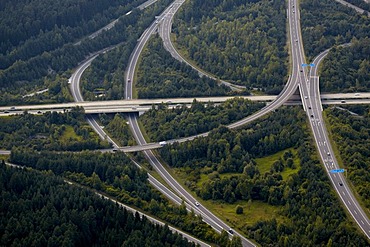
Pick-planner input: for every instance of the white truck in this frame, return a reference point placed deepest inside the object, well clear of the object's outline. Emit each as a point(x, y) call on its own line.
point(162, 143)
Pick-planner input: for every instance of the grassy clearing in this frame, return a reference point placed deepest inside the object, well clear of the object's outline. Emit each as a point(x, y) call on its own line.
point(69, 134)
point(254, 211)
point(264, 164)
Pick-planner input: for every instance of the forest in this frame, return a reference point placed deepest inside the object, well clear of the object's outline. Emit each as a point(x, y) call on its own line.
point(40, 209)
point(66, 131)
point(243, 42)
point(160, 75)
point(347, 69)
point(166, 124)
point(115, 175)
point(25, 75)
point(326, 23)
point(350, 128)
point(228, 160)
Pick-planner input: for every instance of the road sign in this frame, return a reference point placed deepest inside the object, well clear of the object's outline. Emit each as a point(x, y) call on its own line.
point(337, 170)
point(312, 64)
point(304, 64)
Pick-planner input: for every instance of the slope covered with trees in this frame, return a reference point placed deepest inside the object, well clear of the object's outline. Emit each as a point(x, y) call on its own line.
point(24, 75)
point(351, 133)
point(115, 175)
point(50, 131)
point(29, 28)
point(39, 209)
point(160, 75)
point(240, 41)
point(222, 168)
point(165, 124)
point(347, 69)
point(325, 23)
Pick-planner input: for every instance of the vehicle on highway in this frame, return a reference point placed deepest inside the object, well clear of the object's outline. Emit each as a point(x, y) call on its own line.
point(231, 231)
point(328, 154)
point(12, 108)
point(162, 143)
point(115, 150)
point(357, 94)
point(196, 204)
point(128, 80)
point(309, 107)
point(343, 101)
point(6, 111)
point(340, 184)
point(306, 97)
point(312, 116)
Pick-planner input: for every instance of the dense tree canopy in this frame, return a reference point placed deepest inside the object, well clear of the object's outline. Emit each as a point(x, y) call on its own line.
point(347, 69)
point(326, 22)
point(42, 210)
point(240, 41)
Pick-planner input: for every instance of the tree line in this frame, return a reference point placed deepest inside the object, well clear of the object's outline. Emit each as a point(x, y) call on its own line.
point(164, 123)
point(240, 41)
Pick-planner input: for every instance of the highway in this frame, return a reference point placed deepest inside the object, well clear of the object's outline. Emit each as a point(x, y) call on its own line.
point(165, 27)
point(313, 108)
point(207, 216)
point(76, 93)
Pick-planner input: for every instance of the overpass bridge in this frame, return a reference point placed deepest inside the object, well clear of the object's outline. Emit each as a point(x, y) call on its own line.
point(142, 105)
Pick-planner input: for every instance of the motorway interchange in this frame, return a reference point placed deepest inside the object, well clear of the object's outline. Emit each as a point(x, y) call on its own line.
point(305, 81)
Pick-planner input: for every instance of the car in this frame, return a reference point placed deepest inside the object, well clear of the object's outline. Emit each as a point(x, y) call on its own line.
point(357, 94)
point(128, 97)
point(293, 11)
point(340, 184)
point(128, 80)
point(306, 97)
point(309, 107)
point(231, 231)
point(301, 70)
point(134, 108)
point(328, 154)
point(296, 40)
point(39, 112)
point(6, 111)
point(311, 116)
point(115, 150)
point(343, 101)
point(197, 204)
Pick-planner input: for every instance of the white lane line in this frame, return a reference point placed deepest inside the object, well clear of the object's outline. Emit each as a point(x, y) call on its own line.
point(355, 211)
point(349, 202)
point(343, 193)
point(362, 222)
